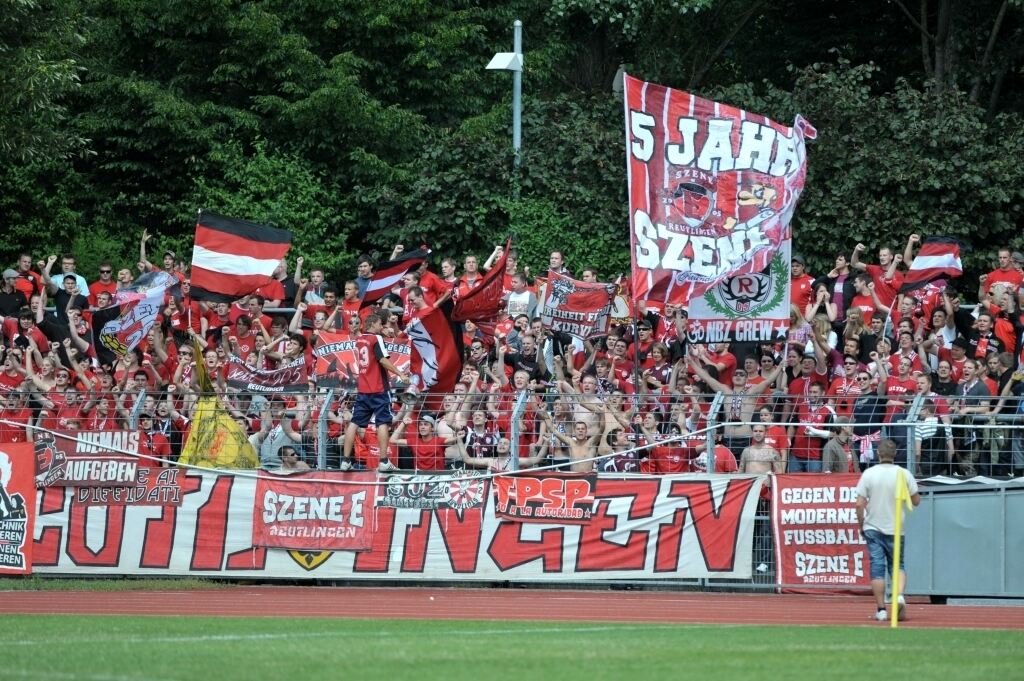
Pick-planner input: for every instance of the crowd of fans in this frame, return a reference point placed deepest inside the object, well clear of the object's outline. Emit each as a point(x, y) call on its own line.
point(638, 399)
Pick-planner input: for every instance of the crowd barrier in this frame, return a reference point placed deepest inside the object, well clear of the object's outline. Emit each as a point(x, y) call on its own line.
point(123, 512)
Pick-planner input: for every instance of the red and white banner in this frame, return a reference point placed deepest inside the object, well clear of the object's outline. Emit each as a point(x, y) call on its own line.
point(543, 498)
point(232, 258)
point(17, 508)
point(435, 361)
point(746, 308)
point(140, 305)
point(712, 189)
point(578, 308)
point(389, 274)
point(283, 379)
point(641, 528)
point(305, 513)
point(89, 459)
point(817, 538)
point(335, 360)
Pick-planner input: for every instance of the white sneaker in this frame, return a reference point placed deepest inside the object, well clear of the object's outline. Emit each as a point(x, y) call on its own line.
point(345, 465)
point(901, 612)
point(881, 616)
point(386, 467)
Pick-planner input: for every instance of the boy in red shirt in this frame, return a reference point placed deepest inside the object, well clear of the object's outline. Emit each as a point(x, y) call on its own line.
point(373, 398)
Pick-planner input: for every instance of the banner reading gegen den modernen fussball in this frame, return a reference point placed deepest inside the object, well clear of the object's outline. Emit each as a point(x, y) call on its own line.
point(712, 190)
point(817, 539)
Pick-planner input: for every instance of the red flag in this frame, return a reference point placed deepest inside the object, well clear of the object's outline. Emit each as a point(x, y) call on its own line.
point(712, 189)
point(484, 302)
point(577, 308)
point(938, 258)
point(232, 258)
point(389, 273)
point(435, 360)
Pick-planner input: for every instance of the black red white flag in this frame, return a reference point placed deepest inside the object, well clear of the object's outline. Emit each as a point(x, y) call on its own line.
point(939, 258)
point(435, 362)
point(388, 274)
point(232, 258)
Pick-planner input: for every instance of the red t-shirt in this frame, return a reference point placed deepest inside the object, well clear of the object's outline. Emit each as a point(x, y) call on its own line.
point(98, 287)
point(899, 390)
point(428, 455)
point(373, 377)
point(885, 288)
point(14, 433)
point(667, 459)
point(1011, 277)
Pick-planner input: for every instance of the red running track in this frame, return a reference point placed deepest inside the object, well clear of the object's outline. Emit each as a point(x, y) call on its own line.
point(506, 604)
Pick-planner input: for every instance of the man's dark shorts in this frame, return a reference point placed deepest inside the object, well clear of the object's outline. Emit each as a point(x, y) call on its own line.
point(377, 405)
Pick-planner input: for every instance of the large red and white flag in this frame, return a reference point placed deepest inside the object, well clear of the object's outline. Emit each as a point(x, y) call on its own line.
point(483, 302)
point(939, 258)
point(435, 361)
point(232, 258)
point(578, 308)
point(712, 190)
point(388, 274)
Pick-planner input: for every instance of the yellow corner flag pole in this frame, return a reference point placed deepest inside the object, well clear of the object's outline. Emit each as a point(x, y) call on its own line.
point(902, 499)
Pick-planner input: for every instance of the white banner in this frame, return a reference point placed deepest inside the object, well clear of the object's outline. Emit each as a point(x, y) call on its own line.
point(641, 528)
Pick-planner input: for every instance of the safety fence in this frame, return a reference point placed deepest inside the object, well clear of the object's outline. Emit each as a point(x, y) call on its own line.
point(636, 495)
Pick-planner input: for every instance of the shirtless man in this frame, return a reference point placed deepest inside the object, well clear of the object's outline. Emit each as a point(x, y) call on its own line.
point(582, 446)
point(760, 457)
point(587, 404)
point(741, 401)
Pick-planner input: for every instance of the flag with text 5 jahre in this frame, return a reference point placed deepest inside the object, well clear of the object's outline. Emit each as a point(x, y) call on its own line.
point(712, 190)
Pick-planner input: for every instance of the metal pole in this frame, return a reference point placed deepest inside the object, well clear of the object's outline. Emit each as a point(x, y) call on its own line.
point(517, 95)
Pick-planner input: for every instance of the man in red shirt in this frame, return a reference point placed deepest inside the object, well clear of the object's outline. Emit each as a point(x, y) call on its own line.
point(863, 300)
point(811, 433)
point(373, 398)
point(800, 283)
point(105, 283)
point(427, 446)
point(886, 278)
point(1005, 273)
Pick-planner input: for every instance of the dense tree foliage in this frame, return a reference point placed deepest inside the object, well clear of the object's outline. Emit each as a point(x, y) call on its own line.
point(357, 124)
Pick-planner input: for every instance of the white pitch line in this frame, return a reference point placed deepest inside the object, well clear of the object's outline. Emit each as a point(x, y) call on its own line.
point(76, 676)
point(324, 634)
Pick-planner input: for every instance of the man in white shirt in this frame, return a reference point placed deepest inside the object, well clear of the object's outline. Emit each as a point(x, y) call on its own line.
point(876, 513)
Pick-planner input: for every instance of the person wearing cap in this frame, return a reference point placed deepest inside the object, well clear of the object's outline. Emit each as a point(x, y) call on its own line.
point(153, 443)
point(169, 258)
point(67, 269)
point(1007, 272)
point(801, 284)
point(11, 299)
point(428, 448)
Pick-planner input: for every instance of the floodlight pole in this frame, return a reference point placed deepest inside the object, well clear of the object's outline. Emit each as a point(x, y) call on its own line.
point(517, 93)
point(513, 61)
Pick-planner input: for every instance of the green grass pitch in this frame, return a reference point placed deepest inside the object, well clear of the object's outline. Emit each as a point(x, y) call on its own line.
point(122, 648)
